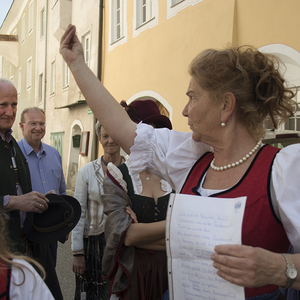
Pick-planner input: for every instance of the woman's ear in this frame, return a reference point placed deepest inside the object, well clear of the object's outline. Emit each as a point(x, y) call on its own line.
point(228, 106)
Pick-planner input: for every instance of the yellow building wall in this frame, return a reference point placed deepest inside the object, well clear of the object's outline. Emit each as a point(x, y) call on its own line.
point(158, 58)
point(264, 22)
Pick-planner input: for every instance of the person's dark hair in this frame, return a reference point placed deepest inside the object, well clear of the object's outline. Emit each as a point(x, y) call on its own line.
point(98, 129)
point(254, 79)
point(26, 110)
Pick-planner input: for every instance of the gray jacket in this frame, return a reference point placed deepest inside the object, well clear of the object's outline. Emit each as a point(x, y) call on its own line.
point(118, 259)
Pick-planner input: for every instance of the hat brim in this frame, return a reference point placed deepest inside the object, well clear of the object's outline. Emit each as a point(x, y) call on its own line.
point(159, 120)
point(51, 237)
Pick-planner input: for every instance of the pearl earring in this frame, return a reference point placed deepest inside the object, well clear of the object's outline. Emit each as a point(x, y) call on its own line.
point(222, 124)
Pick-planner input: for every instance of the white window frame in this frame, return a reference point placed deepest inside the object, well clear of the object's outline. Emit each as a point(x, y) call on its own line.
point(66, 75)
point(86, 43)
point(174, 8)
point(117, 20)
point(19, 80)
point(41, 88)
point(29, 73)
point(23, 30)
point(52, 78)
point(30, 17)
point(175, 2)
point(144, 12)
point(42, 22)
point(140, 24)
point(113, 41)
point(12, 79)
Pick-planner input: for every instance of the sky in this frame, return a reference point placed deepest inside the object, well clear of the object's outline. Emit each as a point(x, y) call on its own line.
point(4, 7)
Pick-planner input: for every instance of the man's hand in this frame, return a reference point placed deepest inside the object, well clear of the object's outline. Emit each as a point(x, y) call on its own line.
point(50, 192)
point(30, 202)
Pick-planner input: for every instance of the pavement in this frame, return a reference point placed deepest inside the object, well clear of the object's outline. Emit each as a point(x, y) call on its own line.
point(65, 275)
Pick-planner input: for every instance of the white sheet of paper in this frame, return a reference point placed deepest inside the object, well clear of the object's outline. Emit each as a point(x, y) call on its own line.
point(195, 225)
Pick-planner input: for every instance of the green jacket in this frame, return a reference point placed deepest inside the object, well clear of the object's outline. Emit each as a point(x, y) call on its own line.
point(8, 184)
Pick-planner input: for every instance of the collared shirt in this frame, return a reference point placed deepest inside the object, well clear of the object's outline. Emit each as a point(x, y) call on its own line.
point(7, 136)
point(45, 167)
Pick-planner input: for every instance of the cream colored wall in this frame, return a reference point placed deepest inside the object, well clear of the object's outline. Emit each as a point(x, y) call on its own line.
point(158, 58)
point(85, 15)
point(26, 97)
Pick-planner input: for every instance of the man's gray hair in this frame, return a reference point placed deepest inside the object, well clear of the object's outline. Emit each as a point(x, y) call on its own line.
point(5, 80)
point(26, 110)
point(98, 129)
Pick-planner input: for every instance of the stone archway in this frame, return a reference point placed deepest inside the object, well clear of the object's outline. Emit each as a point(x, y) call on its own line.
point(163, 105)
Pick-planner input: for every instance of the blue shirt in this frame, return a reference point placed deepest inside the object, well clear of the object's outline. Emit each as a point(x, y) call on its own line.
point(45, 168)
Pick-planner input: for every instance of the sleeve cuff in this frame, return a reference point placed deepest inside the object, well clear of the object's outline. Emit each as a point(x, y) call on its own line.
point(5, 200)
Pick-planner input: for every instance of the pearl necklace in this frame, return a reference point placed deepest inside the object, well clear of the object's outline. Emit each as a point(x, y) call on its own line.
point(237, 162)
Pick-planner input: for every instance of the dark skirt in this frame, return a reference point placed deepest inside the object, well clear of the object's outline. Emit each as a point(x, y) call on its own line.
point(149, 279)
point(91, 281)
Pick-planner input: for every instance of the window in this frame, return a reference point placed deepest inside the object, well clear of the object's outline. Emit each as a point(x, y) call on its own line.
point(40, 95)
point(29, 72)
point(23, 30)
point(86, 42)
point(19, 80)
point(42, 22)
point(293, 123)
point(65, 75)
point(144, 11)
point(30, 17)
point(174, 6)
point(57, 141)
point(174, 2)
point(52, 78)
point(117, 20)
point(145, 15)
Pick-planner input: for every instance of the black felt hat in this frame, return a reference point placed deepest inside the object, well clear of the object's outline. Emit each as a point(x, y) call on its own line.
point(56, 222)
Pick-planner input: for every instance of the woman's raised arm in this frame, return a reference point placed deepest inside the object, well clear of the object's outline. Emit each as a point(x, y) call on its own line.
point(106, 109)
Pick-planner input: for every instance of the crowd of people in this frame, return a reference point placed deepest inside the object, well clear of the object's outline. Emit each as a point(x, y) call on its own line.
point(232, 92)
point(118, 219)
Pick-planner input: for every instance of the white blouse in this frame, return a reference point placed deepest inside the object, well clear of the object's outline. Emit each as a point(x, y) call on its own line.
point(171, 154)
point(33, 288)
point(88, 191)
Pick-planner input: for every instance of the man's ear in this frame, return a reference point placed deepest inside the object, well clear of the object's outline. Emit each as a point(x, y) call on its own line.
point(228, 106)
point(21, 126)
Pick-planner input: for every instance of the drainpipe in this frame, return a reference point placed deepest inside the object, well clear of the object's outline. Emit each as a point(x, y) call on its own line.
point(45, 66)
point(95, 138)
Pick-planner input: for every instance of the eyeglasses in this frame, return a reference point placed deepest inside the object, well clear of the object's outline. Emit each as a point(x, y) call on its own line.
point(34, 125)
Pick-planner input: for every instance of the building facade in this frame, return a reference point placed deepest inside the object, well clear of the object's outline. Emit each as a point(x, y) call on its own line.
point(139, 50)
point(29, 46)
point(149, 44)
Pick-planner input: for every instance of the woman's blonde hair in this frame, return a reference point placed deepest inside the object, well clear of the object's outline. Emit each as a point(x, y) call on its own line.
point(6, 256)
point(254, 79)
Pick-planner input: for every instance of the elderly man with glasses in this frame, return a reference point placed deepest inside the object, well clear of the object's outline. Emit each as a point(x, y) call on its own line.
point(44, 161)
